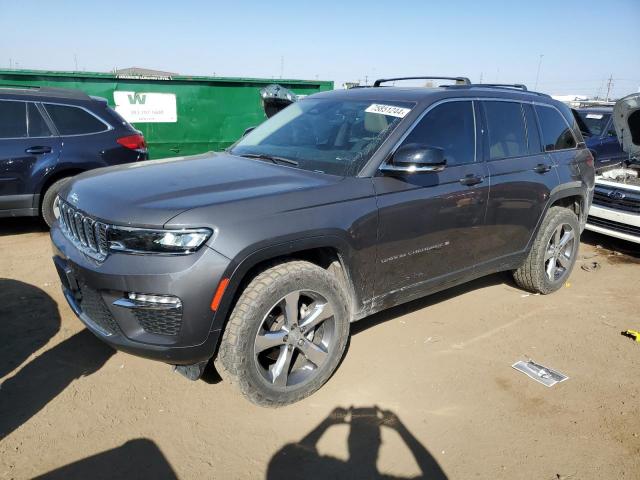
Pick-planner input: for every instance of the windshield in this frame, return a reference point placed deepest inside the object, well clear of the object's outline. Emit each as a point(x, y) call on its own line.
point(596, 122)
point(330, 136)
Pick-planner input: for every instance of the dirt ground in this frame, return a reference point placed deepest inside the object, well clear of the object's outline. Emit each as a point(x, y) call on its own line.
point(426, 390)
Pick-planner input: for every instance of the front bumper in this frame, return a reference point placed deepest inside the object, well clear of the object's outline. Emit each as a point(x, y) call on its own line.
point(615, 223)
point(95, 292)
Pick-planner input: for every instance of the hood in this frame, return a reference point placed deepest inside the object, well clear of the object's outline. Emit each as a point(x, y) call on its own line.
point(275, 98)
point(150, 193)
point(626, 117)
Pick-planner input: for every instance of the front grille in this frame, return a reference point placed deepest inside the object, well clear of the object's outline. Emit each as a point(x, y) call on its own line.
point(618, 199)
point(160, 321)
point(94, 307)
point(88, 235)
point(615, 226)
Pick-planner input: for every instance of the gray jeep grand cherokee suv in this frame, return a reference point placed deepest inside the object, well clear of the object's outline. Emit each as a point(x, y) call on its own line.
point(343, 204)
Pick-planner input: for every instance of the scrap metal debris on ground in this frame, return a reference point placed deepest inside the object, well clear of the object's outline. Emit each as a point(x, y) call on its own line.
point(540, 373)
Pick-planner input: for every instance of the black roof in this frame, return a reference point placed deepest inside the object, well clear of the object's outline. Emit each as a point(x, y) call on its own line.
point(39, 93)
point(421, 94)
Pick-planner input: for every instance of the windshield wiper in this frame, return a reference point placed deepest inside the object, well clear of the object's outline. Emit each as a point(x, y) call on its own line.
point(272, 158)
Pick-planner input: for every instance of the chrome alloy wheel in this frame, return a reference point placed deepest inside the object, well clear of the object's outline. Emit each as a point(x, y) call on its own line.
point(558, 257)
point(295, 338)
point(56, 208)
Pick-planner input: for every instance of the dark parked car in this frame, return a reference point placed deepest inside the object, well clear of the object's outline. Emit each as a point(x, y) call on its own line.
point(600, 136)
point(48, 135)
point(341, 205)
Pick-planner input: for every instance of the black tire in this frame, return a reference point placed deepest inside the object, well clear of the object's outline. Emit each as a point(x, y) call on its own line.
point(237, 359)
point(47, 208)
point(533, 274)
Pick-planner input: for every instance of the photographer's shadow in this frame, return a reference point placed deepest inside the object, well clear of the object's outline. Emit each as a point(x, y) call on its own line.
point(302, 459)
point(29, 318)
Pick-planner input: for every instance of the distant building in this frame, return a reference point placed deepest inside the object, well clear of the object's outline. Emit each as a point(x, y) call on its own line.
point(143, 73)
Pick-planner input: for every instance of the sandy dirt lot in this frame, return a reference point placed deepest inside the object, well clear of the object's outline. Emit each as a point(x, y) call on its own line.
point(425, 390)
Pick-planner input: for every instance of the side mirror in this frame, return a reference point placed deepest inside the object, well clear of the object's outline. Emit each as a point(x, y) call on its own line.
point(248, 131)
point(416, 158)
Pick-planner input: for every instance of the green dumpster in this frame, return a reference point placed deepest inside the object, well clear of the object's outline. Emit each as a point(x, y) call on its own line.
point(178, 115)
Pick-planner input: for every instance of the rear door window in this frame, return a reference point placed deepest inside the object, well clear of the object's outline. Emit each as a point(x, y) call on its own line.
point(36, 126)
point(74, 120)
point(506, 131)
point(13, 119)
point(556, 134)
point(449, 126)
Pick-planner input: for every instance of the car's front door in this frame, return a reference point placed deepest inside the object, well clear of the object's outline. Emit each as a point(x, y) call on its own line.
point(27, 146)
point(429, 223)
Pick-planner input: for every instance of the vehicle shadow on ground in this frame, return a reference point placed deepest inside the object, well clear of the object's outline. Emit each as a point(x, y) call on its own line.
point(17, 226)
point(302, 459)
point(28, 319)
point(629, 249)
point(137, 459)
point(502, 278)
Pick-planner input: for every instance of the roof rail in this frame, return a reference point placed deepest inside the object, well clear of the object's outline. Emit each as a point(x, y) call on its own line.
point(38, 90)
point(459, 80)
point(519, 86)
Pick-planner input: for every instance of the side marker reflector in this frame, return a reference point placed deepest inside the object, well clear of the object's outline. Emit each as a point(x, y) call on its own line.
point(217, 298)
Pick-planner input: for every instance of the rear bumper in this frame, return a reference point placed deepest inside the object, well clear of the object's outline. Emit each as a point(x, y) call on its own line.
point(97, 293)
point(615, 223)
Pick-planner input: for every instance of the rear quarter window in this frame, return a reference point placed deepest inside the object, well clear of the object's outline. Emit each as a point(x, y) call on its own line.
point(74, 120)
point(556, 134)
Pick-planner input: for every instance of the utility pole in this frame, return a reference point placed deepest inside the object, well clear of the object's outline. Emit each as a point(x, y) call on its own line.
point(609, 85)
point(75, 60)
point(538, 73)
point(481, 73)
point(11, 64)
point(281, 66)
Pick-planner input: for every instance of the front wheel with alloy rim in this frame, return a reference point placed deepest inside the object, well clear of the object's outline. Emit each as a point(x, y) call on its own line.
point(286, 334)
point(553, 253)
point(49, 208)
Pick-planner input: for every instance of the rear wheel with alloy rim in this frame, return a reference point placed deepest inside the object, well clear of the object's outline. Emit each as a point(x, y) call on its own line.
point(287, 333)
point(553, 253)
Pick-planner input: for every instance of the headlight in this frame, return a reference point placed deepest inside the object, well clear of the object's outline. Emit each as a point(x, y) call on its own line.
point(141, 240)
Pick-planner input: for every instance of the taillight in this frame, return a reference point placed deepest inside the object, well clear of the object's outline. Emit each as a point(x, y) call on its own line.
point(134, 142)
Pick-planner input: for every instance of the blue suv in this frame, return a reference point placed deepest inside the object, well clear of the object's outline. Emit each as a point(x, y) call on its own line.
point(600, 136)
point(48, 135)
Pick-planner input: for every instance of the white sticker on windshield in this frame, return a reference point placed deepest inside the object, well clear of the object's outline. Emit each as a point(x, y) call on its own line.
point(388, 110)
point(597, 116)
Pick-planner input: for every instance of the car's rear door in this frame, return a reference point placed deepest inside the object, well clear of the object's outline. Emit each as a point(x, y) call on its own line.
point(429, 223)
point(522, 177)
point(87, 137)
point(28, 149)
point(610, 151)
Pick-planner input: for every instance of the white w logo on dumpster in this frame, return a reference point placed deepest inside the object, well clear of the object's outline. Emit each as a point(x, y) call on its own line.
point(137, 98)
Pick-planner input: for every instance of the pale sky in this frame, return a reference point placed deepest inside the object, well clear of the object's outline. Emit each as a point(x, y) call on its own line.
point(583, 43)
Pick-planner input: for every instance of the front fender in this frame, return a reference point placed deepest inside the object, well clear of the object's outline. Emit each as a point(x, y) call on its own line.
point(249, 258)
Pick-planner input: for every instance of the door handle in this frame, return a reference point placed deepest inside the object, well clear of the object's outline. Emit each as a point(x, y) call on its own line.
point(470, 180)
point(38, 150)
point(542, 168)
